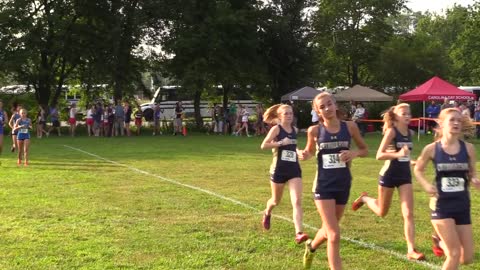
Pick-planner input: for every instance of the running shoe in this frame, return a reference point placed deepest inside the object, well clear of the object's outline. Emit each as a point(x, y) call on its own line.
point(308, 255)
point(301, 237)
point(415, 255)
point(437, 250)
point(358, 202)
point(19, 161)
point(266, 221)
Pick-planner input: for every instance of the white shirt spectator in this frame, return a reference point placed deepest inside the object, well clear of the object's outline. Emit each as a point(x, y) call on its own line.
point(314, 116)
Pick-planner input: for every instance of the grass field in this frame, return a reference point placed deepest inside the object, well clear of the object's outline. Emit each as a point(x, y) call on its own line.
point(183, 203)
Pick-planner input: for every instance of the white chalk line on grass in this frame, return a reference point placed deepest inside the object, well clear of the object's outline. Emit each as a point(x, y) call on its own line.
point(214, 194)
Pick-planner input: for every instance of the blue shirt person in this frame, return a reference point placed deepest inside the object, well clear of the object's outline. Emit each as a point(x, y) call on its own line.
point(433, 110)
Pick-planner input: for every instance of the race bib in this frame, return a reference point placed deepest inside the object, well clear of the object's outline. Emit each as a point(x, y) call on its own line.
point(453, 184)
point(288, 155)
point(332, 161)
point(404, 159)
point(23, 130)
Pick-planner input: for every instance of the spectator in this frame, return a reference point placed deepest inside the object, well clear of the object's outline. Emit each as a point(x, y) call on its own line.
point(177, 124)
point(119, 122)
point(471, 108)
point(358, 116)
point(260, 125)
point(98, 120)
point(232, 118)
point(111, 120)
point(446, 104)
point(477, 119)
point(156, 119)
point(41, 122)
point(55, 119)
point(314, 117)
point(138, 120)
point(3, 117)
point(244, 118)
point(464, 110)
point(432, 111)
point(72, 120)
point(89, 120)
point(105, 125)
point(127, 110)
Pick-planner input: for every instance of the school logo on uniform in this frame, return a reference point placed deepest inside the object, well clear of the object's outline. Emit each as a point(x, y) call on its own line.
point(333, 137)
point(451, 158)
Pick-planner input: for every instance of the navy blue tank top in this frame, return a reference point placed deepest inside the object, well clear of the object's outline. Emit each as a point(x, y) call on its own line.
point(285, 158)
point(400, 167)
point(332, 174)
point(451, 179)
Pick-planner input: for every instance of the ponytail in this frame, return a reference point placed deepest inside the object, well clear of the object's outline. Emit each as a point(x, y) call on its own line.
point(389, 115)
point(388, 119)
point(270, 116)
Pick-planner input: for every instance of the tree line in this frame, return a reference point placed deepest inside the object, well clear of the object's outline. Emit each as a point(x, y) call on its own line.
point(265, 48)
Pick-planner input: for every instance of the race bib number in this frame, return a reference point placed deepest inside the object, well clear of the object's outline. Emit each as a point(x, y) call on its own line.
point(453, 184)
point(404, 159)
point(332, 161)
point(23, 130)
point(288, 155)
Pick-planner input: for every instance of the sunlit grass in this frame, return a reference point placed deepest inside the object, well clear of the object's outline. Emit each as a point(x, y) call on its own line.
point(71, 210)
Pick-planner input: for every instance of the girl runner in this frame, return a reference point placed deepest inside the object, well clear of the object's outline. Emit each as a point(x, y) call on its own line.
point(395, 173)
point(332, 186)
point(454, 162)
point(282, 139)
point(22, 126)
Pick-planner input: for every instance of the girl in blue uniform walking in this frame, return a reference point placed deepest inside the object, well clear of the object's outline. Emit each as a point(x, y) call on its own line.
point(282, 139)
point(454, 162)
point(332, 138)
point(395, 150)
point(23, 125)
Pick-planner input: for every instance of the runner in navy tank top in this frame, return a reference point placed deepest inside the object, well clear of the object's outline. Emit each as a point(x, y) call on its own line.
point(454, 162)
point(282, 139)
point(3, 119)
point(395, 150)
point(332, 184)
point(22, 127)
point(333, 180)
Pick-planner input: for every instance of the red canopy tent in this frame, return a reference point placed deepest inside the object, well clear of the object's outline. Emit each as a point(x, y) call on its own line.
point(437, 89)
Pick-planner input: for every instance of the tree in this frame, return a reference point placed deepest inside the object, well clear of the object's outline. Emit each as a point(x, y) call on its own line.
point(39, 46)
point(349, 35)
point(212, 43)
point(285, 36)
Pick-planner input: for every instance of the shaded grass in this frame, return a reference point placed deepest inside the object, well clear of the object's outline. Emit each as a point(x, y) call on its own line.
point(69, 210)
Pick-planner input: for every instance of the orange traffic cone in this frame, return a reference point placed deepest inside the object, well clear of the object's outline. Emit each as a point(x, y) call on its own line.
point(184, 131)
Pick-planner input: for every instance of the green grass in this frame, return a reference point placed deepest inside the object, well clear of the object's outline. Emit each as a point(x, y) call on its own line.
point(71, 210)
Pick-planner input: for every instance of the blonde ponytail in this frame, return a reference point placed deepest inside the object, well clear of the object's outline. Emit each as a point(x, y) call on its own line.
point(271, 114)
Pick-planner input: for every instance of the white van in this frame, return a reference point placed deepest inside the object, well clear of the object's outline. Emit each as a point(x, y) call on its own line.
point(167, 105)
